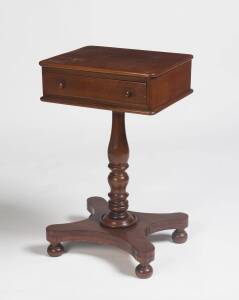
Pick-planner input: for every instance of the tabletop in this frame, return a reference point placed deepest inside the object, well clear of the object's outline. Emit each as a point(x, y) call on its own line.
point(118, 61)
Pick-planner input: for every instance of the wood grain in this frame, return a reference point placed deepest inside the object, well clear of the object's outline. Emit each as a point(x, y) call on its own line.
point(132, 239)
point(118, 61)
point(117, 79)
point(120, 80)
point(118, 154)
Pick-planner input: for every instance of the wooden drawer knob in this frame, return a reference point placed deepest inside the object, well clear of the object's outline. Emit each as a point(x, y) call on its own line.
point(61, 84)
point(128, 94)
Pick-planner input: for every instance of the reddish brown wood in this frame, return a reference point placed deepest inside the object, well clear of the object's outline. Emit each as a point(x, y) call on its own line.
point(118, 154)
point(118, 61)
point(179, 236)
point(144, 271)
point(165, 90)
point(57, 82)
point(122, 80)
point(55, 249)
point(132, 239)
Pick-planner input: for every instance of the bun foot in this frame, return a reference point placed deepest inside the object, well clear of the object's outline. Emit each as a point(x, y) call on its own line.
point(144, 271)
point(55, 250)
point(179, 236)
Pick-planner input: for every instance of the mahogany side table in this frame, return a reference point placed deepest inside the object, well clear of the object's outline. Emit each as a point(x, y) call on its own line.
point(120, 80)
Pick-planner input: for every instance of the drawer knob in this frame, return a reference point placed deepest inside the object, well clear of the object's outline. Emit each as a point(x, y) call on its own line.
point(61, 84)
point(128, 94)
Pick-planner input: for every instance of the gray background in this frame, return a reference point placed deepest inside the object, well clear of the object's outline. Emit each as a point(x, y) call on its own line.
point(52, 157)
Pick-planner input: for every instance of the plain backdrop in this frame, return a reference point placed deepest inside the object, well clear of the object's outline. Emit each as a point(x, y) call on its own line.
point(52, 157)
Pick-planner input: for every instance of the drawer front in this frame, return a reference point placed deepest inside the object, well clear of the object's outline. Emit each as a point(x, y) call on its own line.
point(65, 84)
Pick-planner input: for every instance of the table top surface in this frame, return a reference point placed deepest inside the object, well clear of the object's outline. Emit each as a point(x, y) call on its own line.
point(142, 63)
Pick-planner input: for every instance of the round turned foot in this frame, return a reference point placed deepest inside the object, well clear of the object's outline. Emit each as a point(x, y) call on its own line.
point(179, 236)
point(144, 271)
point(55, 250)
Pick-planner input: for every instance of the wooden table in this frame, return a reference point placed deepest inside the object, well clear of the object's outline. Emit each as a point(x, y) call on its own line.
point(120, 80)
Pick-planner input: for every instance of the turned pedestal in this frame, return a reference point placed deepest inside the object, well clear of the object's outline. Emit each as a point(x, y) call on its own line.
point(120, 80)
point(111, 223)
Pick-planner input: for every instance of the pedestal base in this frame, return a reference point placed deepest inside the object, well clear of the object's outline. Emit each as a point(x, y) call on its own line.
point(132, 239)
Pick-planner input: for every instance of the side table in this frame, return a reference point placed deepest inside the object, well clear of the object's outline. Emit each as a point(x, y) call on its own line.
point(120, 80)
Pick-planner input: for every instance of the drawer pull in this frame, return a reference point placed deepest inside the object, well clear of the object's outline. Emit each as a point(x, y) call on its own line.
point(128, 94)
point(61, 84)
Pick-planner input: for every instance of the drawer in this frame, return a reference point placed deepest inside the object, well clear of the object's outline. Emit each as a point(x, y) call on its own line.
point(67, 84)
